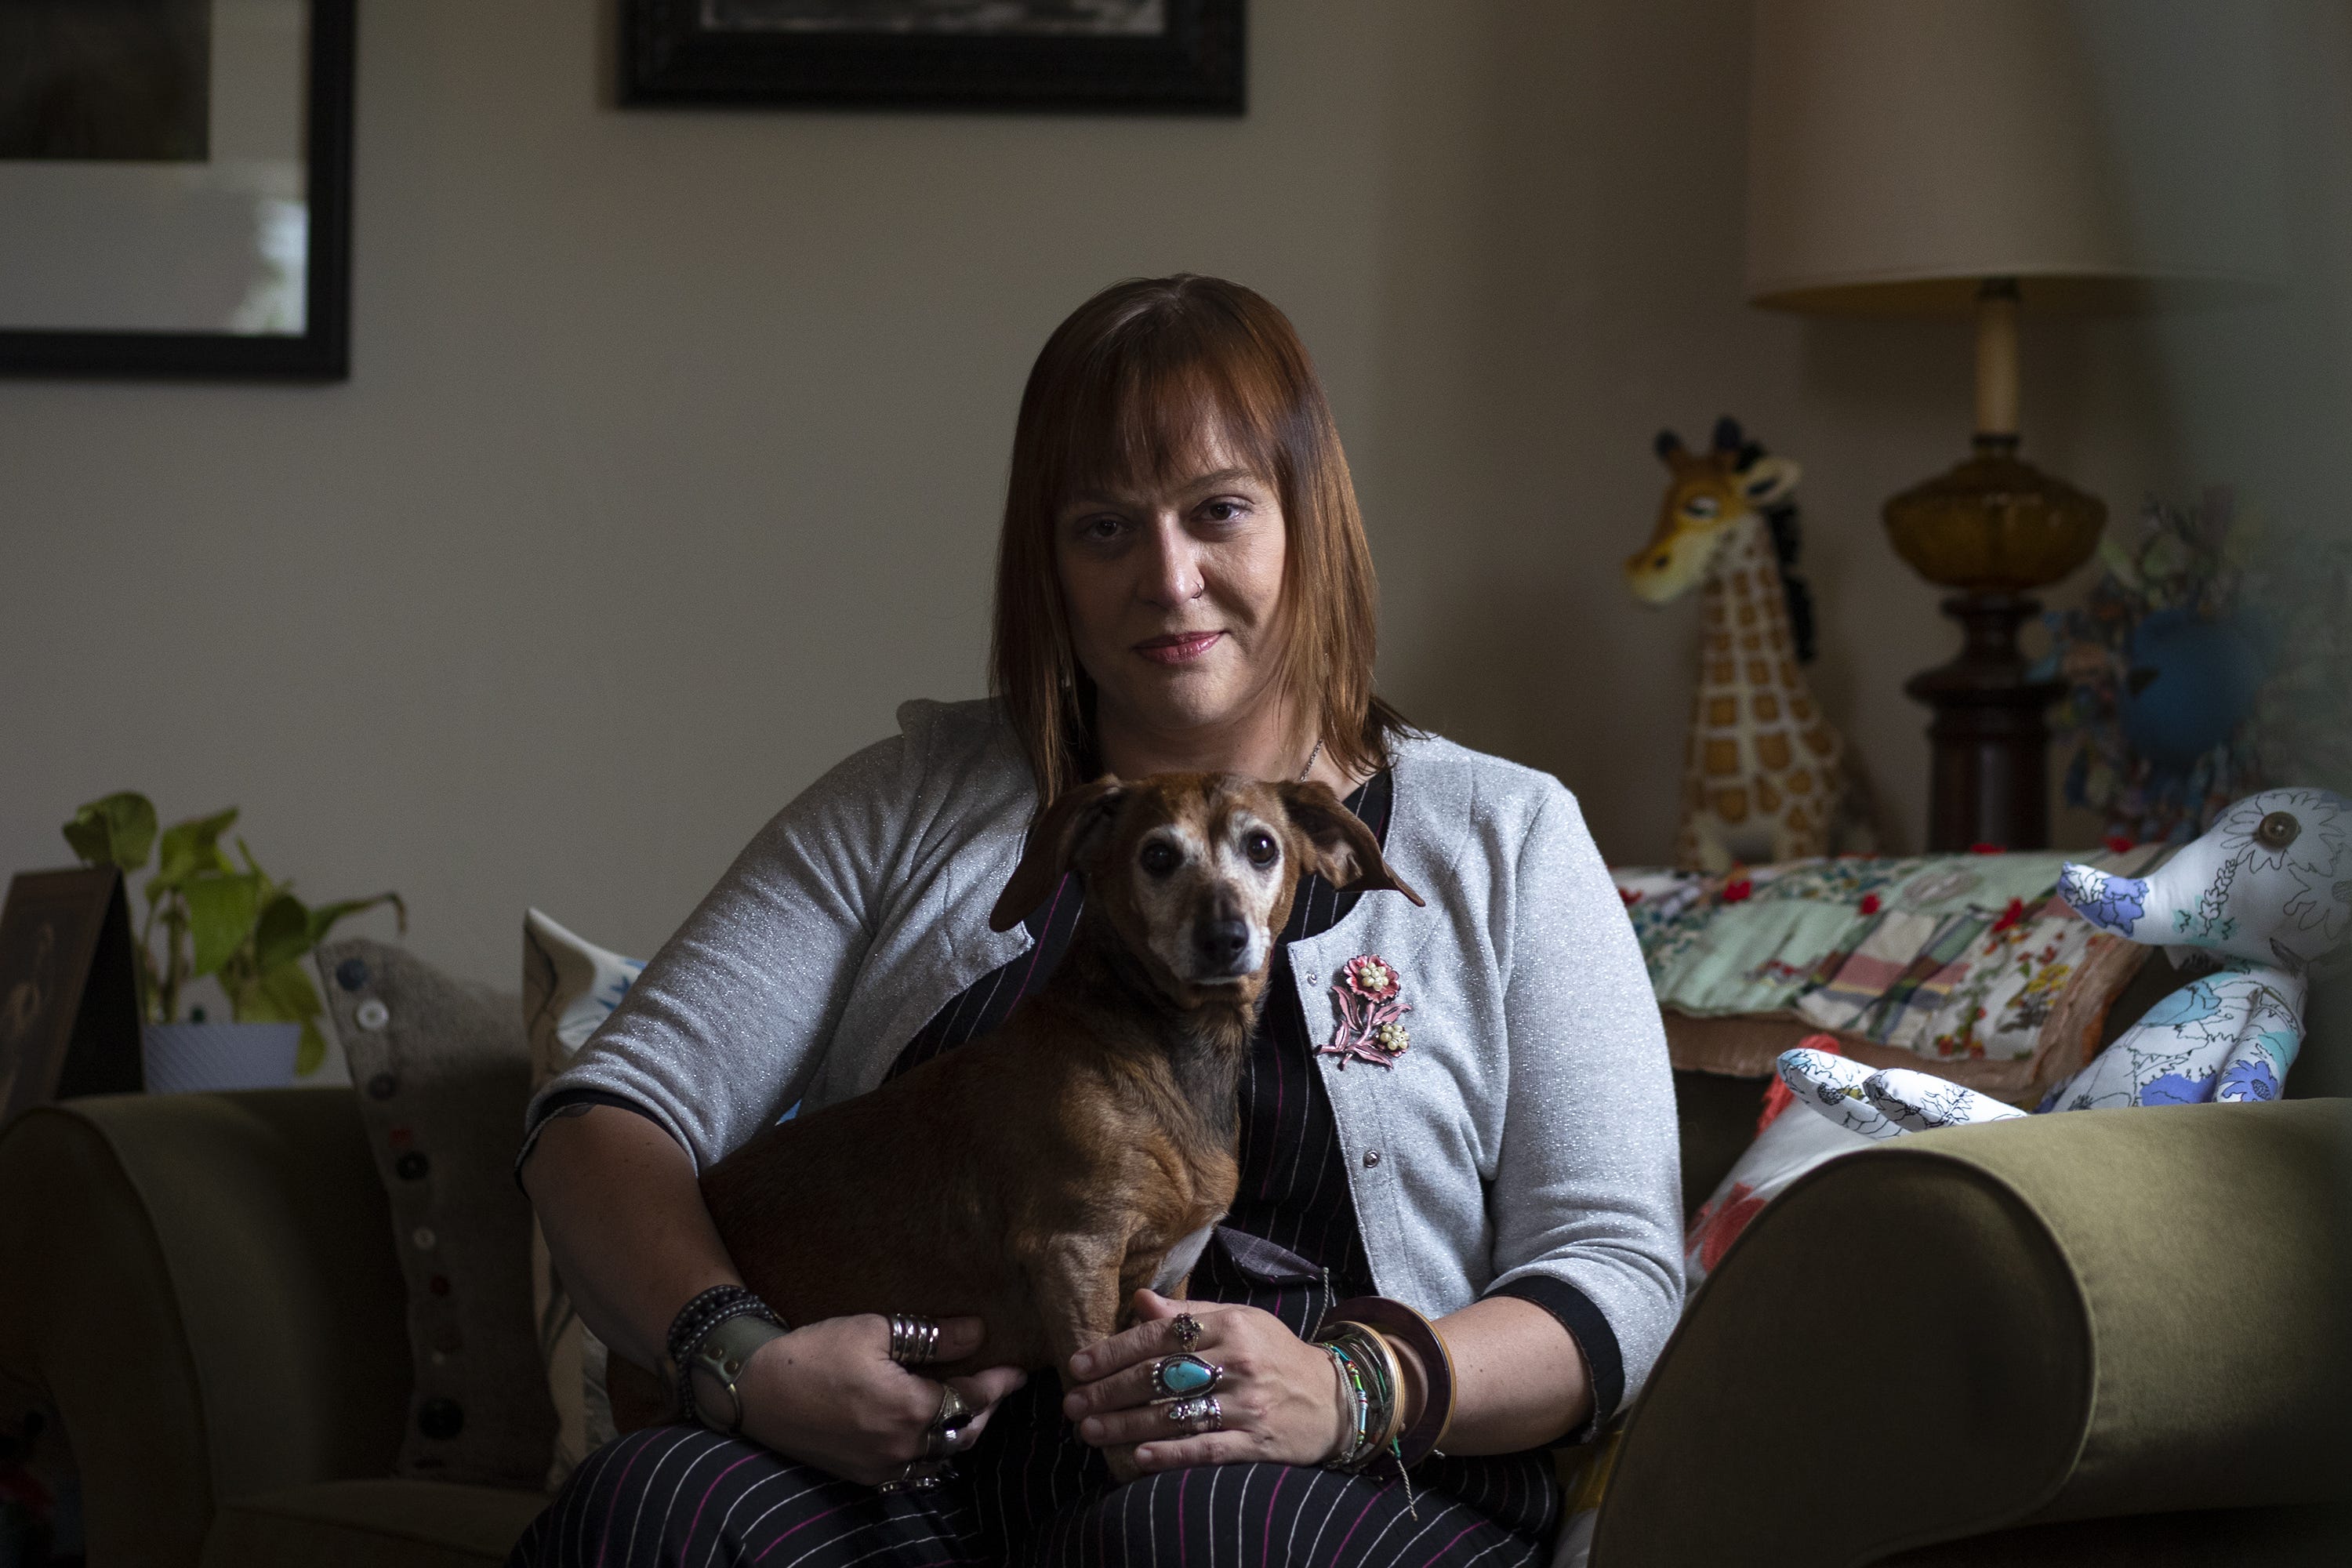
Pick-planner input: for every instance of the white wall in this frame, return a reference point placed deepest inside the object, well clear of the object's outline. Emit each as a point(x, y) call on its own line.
point(674, 443)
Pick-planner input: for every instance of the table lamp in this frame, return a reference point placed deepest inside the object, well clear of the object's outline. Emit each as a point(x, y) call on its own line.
point(1940, 156)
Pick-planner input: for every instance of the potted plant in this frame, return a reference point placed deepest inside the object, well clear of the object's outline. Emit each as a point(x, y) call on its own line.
point(206, 915)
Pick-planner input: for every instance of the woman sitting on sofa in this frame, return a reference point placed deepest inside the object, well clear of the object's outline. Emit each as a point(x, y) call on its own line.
point(1182, 584)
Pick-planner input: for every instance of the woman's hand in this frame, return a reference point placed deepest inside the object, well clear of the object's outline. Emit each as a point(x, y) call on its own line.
point(1279, 1398)
point(830, 1395)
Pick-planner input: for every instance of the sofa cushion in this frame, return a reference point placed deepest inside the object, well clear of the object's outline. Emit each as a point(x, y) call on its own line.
point(443, 1075)
point(372, 1524)
point(570, 986)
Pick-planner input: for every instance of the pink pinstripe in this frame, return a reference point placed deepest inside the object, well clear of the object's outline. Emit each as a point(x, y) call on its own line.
point(696, 1522)
point(1266, 1542)
point(795, 1530)
point(1035, 953)
point(1360, 1520)
point(1449, 1545)
point(605, 1539)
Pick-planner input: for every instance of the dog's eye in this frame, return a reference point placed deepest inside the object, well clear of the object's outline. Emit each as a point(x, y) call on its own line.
point(1260, 848)
point(1159, 857)
point(2278, 829)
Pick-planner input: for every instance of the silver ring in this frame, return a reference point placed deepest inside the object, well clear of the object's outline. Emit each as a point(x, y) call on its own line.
point(1197, 1415)
point(921, 1475)
point(940, 1437)
point(913, 1340)
point(1182, 1376)
point(1187, 1330)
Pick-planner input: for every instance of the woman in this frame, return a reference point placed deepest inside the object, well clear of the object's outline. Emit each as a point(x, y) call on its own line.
point(1182, 584)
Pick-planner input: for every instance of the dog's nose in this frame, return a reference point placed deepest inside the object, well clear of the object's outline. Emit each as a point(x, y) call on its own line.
point(1221, 943)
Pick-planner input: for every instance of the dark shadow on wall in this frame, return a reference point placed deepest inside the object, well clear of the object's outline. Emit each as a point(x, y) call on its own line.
point(1563, 277)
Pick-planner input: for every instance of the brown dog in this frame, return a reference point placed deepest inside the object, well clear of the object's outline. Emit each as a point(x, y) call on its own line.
point(1039, 1175)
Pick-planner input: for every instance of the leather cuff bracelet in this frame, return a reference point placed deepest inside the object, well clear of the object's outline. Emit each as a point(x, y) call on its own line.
point(692, 1328)
point(723, 1352)
point(1403, 1326)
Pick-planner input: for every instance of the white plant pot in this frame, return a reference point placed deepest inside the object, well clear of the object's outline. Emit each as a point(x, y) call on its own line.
point(184, 1056)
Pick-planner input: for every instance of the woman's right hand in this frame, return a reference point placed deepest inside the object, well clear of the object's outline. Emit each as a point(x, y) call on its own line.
point(829, 1394)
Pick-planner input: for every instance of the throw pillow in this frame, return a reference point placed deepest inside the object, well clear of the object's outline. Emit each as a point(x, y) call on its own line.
point(1786, 1147)
point(569, 986)
point(443, 1075)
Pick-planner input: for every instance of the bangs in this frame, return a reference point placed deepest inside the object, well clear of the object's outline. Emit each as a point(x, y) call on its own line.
point(1164, 399)
point(1149, 384)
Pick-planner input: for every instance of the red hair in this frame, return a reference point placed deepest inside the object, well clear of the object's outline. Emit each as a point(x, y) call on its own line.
point(1126, 388)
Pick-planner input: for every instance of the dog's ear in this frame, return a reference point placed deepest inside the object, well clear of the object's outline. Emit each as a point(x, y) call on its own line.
point(1345, 853)
point(1055, 840)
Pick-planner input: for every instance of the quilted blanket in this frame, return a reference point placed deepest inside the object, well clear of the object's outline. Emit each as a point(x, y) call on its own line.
point(1950, 959)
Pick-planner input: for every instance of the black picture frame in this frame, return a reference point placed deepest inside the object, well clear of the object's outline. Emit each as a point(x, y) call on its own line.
point(68, 989)
point(323, 351)
point(1196, 66)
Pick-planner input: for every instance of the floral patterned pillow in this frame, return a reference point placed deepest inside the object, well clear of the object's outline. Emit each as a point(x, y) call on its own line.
point(1786, 1147)
point(569, 986)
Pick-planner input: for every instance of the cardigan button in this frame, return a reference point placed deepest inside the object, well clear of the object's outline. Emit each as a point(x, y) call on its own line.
point(1371, 1158)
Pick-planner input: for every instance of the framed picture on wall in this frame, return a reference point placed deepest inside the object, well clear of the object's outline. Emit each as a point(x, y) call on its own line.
point(1153, 57)
point(175, 187)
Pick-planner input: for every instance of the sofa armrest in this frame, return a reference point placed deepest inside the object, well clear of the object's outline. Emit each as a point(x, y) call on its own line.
point(2089, 1315)
point(203, 1287)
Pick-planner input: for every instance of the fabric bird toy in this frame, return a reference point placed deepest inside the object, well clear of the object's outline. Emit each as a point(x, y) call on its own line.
point(2268, 890)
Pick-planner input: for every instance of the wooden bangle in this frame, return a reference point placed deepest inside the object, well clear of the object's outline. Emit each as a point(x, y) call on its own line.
point(1420, 1440)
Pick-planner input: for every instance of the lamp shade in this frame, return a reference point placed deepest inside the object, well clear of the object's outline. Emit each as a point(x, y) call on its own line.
point(1903, 150)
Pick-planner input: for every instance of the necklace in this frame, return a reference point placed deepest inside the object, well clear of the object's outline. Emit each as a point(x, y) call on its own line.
point(1310, 760)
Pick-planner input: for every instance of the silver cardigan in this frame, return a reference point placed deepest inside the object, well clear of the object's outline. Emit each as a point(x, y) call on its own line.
point(1527, 1130)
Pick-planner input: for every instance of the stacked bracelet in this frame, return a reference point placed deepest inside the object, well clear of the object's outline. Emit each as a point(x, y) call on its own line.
point(694, 1324)
point(1368, 1366)
point(1396, 1321)
point(1356, 1442)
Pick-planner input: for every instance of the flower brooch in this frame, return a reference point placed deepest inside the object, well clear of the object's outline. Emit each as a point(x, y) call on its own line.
point(1370, 1027)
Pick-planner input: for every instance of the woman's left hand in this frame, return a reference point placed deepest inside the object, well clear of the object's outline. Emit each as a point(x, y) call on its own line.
point(1277, 1397)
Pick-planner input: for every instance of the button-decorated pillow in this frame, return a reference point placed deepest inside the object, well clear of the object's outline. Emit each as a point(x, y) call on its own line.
point(443, 1072)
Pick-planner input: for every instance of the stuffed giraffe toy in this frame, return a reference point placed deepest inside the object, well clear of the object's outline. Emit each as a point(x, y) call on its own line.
point(1765, 776)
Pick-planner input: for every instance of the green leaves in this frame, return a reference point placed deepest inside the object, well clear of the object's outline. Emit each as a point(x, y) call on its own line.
point(285, 930)
point(216, 918)
point(268, 982)
point(282, 934)
point(116, 831)
point(325, 918)
point(190, 848)
point(222, 909)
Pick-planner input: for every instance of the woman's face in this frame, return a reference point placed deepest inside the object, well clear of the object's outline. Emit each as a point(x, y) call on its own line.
point(1173, 590)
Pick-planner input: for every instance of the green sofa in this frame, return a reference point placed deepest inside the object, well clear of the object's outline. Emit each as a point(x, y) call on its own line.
point(2100, 1337)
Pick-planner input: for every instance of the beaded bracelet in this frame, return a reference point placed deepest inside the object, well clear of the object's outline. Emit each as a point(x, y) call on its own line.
point(694, 1324)
point(1373, 1373)
point(1395, 1320)
point(1356, 1443)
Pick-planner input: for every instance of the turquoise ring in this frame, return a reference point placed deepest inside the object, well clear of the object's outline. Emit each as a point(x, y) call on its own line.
point(1184, 1376)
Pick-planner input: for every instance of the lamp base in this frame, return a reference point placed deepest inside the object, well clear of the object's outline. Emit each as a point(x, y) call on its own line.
point(1996, 521)
point(1989, 745)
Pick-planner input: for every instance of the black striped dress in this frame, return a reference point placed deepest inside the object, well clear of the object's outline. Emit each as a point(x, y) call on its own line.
point(1030, 1491)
